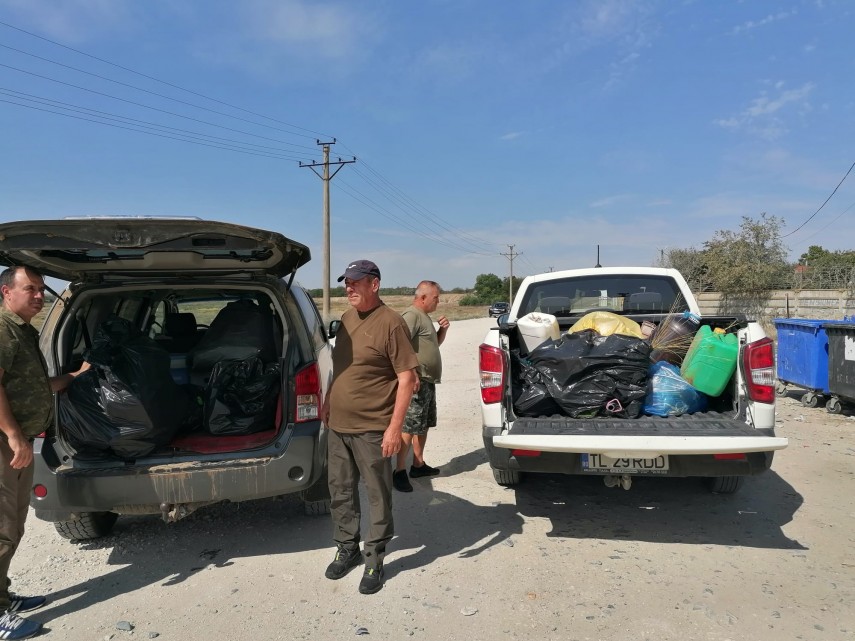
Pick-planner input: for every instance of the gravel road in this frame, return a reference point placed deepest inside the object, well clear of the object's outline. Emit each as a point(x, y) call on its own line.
point(556, 558)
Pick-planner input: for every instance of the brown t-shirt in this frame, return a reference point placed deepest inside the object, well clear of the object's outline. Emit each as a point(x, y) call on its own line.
point(371, 349)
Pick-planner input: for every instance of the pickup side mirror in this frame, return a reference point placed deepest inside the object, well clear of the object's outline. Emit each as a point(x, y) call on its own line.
point(333, 329)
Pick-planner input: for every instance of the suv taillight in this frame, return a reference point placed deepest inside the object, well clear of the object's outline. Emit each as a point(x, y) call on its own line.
point(308, 391)
point(491, 362)
point(758, 359)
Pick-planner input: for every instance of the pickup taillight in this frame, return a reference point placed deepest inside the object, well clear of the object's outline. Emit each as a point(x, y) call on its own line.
point(758, 359)
point(491, 363)
point(307, 385)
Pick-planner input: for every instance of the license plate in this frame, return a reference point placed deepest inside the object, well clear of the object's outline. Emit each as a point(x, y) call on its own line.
point(602, 463)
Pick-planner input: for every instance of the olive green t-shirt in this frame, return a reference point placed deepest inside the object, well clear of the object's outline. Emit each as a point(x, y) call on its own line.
point(25, 374)
point(371, 349)
point(425, 343)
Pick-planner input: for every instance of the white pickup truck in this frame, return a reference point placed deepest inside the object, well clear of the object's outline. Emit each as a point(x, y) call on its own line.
point(733, 438)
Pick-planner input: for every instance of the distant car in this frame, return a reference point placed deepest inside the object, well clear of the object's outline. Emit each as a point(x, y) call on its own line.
point(497, 309)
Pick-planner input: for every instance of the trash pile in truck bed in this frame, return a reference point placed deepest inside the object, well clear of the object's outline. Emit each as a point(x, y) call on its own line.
point(609, 365)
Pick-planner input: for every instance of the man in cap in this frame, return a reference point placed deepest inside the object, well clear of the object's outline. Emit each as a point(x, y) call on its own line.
point(374, 375)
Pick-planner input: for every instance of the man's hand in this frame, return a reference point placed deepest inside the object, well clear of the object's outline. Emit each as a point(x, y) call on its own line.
point(443, 322)
point(22, 451)
point(391, 442)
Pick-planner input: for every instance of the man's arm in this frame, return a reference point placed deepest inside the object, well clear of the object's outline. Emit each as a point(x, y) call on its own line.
point(22, 449)
point(392, 436)
point(444, 323)
point(59, 383)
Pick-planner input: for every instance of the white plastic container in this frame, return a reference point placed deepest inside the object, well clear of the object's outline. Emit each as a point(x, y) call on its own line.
point(536, 328)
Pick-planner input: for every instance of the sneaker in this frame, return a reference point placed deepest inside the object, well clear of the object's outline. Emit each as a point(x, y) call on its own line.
point(372, 581)
point(14, 627)
point(424, 470)
point(24, 603)
point(345, 560)
point(401, 481)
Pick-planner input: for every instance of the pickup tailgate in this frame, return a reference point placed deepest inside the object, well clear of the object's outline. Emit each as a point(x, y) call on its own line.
point(646, 436)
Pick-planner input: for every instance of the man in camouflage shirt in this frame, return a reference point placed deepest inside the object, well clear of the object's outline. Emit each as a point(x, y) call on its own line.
point(26, 410)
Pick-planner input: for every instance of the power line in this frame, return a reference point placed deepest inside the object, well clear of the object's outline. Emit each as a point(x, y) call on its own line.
point(58, 104)
point(164, 82)
point(823, 204)
point(139, 104)
point(159, 135)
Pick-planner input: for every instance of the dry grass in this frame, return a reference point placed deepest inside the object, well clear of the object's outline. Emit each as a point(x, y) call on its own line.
point(448, 306)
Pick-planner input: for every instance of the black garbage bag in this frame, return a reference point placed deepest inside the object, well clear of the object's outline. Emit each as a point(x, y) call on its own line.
point(242, 329)
point(141, 403)
point(590, 375)
point(241, 397)
point(82, 418)
point(531, 396)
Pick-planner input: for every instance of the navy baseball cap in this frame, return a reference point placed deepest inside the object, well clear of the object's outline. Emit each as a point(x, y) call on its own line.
point(359, 269)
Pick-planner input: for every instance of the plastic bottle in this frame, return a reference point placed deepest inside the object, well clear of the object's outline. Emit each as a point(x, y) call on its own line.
point(671, 339)
point(711, 360)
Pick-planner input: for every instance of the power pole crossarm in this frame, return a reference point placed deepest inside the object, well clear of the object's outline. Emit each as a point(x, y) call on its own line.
point(326, 177)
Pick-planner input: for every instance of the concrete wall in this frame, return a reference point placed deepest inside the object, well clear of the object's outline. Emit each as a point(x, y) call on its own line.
point(831, 304)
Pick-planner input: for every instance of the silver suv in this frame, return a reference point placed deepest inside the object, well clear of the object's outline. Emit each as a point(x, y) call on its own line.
point(209, 366)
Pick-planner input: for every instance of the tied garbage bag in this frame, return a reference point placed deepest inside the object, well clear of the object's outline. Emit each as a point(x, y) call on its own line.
point(127, 403)
point(532, 398)
point(589, 375)
point(606, 324)
point(241, 397)
point(668, 394)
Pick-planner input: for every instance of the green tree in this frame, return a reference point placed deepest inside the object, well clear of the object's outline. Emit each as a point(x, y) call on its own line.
point(752, 259)
point(488, 288)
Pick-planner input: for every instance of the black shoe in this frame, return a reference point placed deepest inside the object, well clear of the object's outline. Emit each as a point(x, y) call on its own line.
point(424, 470)
point(401, 481)
point(372, 581)
point(345, 560)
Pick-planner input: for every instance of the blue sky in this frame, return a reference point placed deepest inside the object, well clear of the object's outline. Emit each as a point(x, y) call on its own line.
point(550, 126)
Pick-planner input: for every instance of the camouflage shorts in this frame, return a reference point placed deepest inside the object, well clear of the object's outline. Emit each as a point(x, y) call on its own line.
point(421, 414)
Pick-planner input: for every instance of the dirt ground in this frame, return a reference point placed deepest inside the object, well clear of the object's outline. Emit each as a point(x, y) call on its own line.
point(559, 557)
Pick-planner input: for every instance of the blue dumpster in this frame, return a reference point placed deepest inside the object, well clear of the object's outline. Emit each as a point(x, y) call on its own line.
point(803, 357)
point(841, 365)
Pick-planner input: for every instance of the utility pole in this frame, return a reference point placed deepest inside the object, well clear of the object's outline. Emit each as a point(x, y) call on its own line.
point(510, 256)
point(326, 177)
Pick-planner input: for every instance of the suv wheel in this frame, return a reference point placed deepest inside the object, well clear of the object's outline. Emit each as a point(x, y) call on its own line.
point(507, 478)
point(90, 525)
point(316, 499)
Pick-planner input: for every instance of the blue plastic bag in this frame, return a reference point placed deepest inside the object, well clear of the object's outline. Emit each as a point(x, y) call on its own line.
point(668, 394)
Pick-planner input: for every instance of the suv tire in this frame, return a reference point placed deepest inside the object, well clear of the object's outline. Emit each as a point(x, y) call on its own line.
point(90, 525)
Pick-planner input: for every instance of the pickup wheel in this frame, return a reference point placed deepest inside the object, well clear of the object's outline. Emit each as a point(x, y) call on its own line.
point(506, 478)
point(90, 525)
point(725, 484)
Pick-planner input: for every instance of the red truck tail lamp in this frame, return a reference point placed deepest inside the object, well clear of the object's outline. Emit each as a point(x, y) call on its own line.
point(491, 362)
point(39, 491)
point(759, 367)
point(307, 384)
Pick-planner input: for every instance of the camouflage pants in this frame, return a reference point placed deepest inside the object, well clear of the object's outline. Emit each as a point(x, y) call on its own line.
point(421, 414)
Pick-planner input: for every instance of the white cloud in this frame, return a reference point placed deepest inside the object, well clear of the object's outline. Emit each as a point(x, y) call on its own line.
point(71, 21)
point(511, 135)
point(611, 200)
point(754, 24)
point(763, 116)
